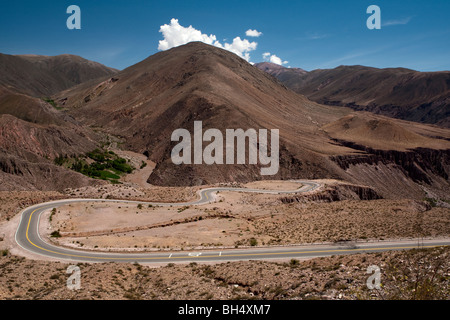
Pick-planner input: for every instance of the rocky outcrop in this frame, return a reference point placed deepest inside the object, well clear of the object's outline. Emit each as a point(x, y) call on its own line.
point(336, 193)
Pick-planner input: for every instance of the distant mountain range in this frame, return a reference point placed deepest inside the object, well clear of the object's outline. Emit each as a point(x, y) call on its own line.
point(398, 93)
point(39, 76)
point(143, 104)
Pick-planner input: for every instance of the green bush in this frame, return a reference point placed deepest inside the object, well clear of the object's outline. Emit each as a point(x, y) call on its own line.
point(55, 234)
point(59, 161)
point(253, 242)
point(294, 262)
point(52, 103)
point(52, 214)
point(106, 166)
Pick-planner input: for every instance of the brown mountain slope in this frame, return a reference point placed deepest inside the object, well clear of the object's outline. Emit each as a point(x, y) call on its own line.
point(39, 76)
point(399, 93)
point(145, 103)
point(30, 109)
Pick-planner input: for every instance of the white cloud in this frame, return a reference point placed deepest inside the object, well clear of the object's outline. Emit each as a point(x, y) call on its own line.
point(240, 47)
point(396, 22)
point(273, 58)
point(316, 36)
point(253, 33)
point(176, 35)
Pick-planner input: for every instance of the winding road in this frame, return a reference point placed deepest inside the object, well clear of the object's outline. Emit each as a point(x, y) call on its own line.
point(27, 236)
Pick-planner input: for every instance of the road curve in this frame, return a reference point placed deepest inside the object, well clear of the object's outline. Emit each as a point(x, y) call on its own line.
point(27, 236)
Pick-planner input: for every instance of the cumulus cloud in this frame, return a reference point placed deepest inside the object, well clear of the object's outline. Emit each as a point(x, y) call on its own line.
point(253, 33)
point(267, 56)
point(176, 35)
point(240, 47)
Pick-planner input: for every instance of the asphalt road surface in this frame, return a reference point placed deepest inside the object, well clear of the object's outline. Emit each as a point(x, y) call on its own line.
point(28, 237)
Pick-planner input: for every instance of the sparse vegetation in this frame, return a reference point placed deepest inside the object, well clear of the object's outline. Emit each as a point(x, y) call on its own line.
point(52, 103)
point(52, 213)
point(98, 164)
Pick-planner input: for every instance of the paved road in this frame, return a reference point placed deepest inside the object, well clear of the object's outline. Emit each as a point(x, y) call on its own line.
point(27, 236)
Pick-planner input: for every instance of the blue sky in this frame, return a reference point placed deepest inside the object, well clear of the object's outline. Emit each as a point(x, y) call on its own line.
point(306, 34)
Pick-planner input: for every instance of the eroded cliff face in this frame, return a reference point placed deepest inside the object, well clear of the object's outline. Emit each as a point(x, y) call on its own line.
point(337, 192)
point(398, 173)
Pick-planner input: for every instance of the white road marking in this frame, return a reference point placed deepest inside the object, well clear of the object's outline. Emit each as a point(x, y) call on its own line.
point(194, 254)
